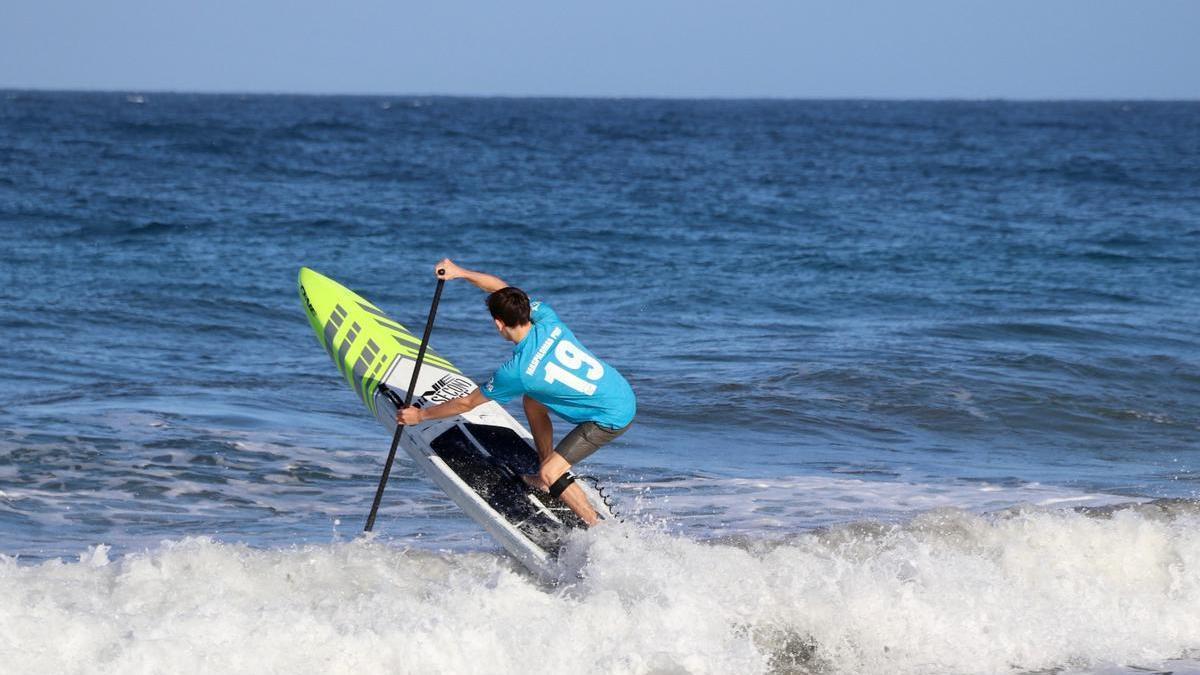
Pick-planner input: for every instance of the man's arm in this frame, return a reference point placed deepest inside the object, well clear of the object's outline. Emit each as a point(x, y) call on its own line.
point(486, 282)
point(456, 406)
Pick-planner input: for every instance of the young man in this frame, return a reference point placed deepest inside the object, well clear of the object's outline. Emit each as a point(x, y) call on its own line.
point(555, 373)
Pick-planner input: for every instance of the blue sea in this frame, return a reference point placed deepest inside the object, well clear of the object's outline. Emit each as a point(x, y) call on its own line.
point(918, 383)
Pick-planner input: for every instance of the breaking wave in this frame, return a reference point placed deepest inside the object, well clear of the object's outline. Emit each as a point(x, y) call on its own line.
point(946, 592)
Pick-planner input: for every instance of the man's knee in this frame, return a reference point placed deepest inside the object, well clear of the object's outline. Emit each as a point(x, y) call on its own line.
point(549, 474)
point(554, 468)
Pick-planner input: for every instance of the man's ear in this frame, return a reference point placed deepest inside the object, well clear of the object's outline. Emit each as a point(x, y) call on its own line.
point(499, 325)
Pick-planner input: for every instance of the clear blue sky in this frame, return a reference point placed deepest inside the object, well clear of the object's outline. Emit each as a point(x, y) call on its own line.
point(777, 48)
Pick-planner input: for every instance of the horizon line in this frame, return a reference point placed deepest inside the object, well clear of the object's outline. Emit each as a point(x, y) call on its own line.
point(583, 97)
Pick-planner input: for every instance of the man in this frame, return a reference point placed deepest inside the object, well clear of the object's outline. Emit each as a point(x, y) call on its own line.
point(555, 373)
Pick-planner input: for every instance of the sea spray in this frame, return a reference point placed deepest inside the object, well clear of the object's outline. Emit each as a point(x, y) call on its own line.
point(948, 592)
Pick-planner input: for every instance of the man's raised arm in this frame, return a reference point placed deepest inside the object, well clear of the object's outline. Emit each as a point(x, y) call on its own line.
point(486, 282)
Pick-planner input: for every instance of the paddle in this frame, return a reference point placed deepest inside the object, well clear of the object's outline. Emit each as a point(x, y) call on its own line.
point(412, 386)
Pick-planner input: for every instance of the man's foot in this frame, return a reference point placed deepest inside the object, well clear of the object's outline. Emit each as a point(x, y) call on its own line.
point(535, 481)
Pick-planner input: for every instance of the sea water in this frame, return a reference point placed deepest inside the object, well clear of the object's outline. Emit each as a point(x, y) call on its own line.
point(919, 383)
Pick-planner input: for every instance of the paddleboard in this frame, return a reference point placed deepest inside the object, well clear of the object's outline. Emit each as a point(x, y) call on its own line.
point(476, 458)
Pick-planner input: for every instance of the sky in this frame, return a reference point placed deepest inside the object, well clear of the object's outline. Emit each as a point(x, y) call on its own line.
point(1019, 49)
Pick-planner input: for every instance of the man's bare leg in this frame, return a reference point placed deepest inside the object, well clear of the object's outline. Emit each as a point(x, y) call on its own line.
point(573, 496)
point(553, 464)
point(541, 427)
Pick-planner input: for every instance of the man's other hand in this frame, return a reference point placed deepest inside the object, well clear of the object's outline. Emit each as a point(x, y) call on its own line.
point(409, 415)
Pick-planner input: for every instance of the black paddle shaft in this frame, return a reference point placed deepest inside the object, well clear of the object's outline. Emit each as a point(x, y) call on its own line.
point(412, 386)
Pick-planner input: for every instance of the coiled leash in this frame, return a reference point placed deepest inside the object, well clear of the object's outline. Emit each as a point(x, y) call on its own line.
point(564, 481)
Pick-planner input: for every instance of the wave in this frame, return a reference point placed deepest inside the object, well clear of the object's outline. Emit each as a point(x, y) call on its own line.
point(947, 592)
point(782, 506)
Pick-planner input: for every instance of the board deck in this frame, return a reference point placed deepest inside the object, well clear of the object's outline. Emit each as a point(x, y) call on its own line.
point(475, 458)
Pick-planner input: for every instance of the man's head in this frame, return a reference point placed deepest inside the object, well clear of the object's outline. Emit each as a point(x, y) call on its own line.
point(510, 310)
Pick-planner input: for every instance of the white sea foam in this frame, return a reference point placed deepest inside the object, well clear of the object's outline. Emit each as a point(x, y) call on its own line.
point(948, 592)
point(761, 506)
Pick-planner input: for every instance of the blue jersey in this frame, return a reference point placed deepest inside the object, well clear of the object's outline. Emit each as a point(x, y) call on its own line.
point(552, 367)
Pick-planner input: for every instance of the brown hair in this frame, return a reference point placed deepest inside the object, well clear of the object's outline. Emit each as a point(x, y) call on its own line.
point(510, 305)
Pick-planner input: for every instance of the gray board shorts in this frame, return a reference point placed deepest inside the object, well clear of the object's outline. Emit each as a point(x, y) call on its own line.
point(586, 439)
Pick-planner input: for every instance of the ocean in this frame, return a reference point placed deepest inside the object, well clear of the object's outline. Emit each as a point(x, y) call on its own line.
point(918, 383)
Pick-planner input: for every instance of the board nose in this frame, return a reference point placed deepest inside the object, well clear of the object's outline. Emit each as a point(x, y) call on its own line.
point(307, 276)
point(316, 285)
point(318, 293)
